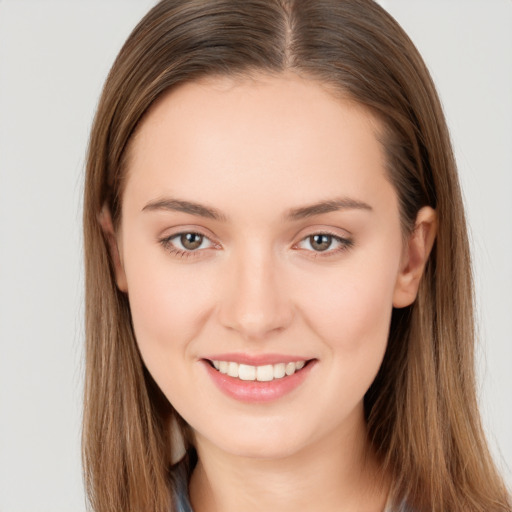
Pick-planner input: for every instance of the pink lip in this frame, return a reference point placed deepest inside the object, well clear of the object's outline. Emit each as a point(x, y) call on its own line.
point(255, 391)
point(256, 359)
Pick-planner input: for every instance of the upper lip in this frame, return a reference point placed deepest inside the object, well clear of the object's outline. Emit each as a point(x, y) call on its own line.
point(257, 359)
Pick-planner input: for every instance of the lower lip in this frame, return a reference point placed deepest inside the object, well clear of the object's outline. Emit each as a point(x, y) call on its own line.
point(255, 391)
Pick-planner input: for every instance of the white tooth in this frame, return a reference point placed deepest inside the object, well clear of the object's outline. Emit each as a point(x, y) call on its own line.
point(265, 373)
point(246, 372)
point(279, 370)
point(223, 366)
point(233, 369)
point(299, 365)
point(216, 364)
point(290, 368)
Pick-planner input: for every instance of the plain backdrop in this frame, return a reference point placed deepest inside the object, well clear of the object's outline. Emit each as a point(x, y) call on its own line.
point(54, 57)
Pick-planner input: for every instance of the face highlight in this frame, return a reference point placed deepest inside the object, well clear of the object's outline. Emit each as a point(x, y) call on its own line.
point(261, 250)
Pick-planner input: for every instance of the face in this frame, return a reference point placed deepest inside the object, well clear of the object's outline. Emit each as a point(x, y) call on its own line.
point(261, 251)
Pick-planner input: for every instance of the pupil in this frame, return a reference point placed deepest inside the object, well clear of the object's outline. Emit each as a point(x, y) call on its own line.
point(191, 241)
point(321, 242)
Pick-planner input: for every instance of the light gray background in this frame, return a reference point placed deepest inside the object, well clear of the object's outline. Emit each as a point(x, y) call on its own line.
point(54, 56)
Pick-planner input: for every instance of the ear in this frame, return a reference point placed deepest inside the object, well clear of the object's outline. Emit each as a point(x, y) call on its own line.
point(107, 226)
point(414, 258)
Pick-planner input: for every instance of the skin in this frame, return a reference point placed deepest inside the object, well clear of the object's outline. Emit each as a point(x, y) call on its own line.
point(255, 150)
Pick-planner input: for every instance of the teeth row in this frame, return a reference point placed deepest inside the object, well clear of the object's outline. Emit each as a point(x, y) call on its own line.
point(264, 373)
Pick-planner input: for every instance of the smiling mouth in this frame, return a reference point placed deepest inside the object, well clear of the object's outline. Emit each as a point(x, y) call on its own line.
point(263, 373)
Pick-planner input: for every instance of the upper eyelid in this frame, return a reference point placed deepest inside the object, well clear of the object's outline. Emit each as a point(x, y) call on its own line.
point(168, 240)
point(177, 231)
point(324, 229)
point(320, 230)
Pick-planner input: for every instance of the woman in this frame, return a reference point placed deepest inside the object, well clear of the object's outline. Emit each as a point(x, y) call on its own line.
point(277, 270)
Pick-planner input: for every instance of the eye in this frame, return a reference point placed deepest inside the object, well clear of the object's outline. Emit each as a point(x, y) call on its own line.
point(185, 243)
point(324, 243)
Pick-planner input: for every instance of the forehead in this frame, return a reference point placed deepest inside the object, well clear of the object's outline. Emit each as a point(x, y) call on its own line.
point(255, 136)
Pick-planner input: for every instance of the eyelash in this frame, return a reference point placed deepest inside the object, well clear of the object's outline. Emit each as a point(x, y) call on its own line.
point(183, 253)
point(344, 245)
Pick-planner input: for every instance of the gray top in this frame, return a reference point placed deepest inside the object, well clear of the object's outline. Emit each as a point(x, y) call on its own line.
point(180, 474)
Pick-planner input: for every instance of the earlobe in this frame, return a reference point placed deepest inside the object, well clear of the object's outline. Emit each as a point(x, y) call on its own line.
point(415, 257)
point(107, 226)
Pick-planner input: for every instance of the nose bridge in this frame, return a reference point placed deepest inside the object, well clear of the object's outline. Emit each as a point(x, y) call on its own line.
point(255, 303)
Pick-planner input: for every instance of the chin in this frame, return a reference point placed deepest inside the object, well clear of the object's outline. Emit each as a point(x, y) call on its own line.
point(262, 441)
point(262, 450)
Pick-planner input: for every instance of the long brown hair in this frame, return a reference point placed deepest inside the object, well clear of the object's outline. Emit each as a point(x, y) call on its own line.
point(421, 410)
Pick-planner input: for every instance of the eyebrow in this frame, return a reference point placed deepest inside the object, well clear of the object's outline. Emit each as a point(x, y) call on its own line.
point(178, 205)
point(303, 212)
point(330, 205)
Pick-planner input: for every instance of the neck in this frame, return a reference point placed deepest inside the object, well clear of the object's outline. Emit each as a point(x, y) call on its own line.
point(339, 473)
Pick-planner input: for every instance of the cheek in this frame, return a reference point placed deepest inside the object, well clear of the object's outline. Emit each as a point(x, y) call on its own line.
point(357, 299)
point(352, 312)
point(169, 310)
point(161, 310)
point(169, 306)
point(351, 317)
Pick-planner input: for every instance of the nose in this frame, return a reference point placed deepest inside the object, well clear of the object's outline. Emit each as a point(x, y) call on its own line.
point(256, 302)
